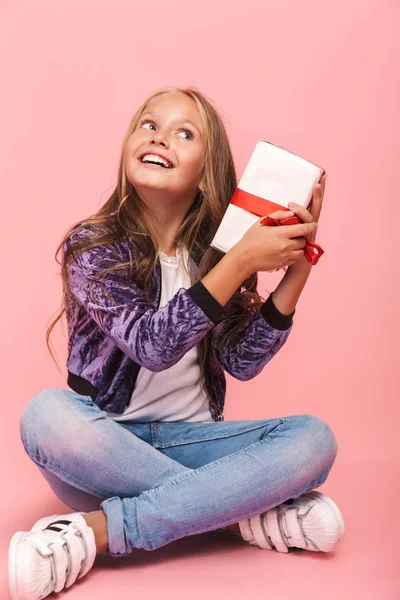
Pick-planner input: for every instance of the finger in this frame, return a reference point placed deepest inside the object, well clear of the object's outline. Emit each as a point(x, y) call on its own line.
point(298, 243)
point(281, 214)
point(303, 214)
point(296, 254)
point(303, 229)
point(316, 207)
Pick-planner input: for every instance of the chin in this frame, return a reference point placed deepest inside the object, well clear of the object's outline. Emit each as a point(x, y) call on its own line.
point(148, 183)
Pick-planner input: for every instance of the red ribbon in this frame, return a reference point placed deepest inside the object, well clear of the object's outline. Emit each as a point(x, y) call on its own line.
point(259, 206)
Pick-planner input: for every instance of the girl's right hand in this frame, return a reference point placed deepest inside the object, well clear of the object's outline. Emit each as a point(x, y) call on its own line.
point(266, 248)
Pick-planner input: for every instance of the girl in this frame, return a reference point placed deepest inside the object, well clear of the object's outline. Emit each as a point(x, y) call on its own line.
point(137, 446)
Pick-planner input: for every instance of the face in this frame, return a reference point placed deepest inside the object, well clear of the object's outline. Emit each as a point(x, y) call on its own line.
point(171, 126)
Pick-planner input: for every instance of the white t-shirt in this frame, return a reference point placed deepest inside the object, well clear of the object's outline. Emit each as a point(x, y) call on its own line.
point(175, 393)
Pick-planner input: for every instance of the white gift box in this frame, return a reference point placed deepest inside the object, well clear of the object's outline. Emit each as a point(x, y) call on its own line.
point(272, 178)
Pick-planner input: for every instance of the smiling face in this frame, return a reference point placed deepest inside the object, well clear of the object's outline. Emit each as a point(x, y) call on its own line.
point(172, 127)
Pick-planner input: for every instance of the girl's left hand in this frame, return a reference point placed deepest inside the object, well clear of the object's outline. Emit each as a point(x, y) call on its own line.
point(313, 214)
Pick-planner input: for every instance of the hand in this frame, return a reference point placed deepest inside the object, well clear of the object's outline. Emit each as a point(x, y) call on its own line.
point(313, 214)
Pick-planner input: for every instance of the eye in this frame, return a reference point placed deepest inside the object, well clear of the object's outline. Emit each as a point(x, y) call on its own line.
point(147, 121)
point(189, 132)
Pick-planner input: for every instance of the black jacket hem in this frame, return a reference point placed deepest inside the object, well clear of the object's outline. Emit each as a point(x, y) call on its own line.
point(274, 317)
point(200, 294)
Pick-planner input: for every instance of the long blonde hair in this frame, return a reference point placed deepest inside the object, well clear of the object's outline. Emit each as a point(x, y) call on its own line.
point(123, 214)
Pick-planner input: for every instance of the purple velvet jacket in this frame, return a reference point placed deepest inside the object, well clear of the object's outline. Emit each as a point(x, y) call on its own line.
point(109, 341)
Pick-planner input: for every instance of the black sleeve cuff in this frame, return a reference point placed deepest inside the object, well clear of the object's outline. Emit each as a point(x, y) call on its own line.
point(274, 317)
point(200, 294)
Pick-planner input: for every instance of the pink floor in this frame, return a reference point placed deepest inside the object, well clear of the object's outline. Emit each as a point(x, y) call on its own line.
point(220, 565)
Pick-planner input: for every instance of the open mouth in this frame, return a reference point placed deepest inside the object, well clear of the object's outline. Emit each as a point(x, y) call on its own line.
point(158, 163)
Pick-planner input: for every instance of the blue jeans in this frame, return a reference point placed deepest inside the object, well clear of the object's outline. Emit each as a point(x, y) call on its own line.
point(160, 481)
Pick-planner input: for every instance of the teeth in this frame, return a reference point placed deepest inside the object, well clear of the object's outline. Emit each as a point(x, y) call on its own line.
point(155, 158)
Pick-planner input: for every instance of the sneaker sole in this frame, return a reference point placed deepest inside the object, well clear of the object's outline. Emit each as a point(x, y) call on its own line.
point(320, 497)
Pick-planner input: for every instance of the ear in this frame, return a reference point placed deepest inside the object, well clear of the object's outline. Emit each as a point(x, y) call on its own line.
point(202, 184)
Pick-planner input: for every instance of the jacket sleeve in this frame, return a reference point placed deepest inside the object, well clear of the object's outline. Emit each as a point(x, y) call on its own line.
point(264, 335)
point(156, 339)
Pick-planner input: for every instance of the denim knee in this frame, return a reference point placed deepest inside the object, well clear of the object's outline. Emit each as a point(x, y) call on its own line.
point(40, 419)
point(37, 408)
point(321, 440)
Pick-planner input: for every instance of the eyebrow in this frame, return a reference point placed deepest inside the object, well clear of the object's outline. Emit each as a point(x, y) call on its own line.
point(177, 120)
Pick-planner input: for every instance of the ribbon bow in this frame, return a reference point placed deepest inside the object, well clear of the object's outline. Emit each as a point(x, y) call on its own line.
point(259, 206)
point(309, 254)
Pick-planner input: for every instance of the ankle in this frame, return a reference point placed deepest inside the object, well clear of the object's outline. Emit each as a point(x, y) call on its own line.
point(97, 520)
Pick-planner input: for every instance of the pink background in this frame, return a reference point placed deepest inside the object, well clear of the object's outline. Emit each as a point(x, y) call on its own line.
point(321, 80)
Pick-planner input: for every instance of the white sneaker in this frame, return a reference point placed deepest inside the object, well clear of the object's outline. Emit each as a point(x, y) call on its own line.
point(312, 522)
point(56, 552)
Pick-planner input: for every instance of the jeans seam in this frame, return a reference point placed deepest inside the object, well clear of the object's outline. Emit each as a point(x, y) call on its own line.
point(192, 473)
point(154, 434)
point(222, 436)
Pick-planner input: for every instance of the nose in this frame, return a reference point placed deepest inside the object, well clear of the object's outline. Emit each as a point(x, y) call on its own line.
point(159, 138)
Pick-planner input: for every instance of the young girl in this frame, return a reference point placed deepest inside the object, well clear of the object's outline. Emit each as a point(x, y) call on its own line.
point(137, 446)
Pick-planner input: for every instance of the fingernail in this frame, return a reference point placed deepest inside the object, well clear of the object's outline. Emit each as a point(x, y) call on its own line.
point(291, 204)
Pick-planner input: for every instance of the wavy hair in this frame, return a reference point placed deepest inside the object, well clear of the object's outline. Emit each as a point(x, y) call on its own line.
point(124, 215)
